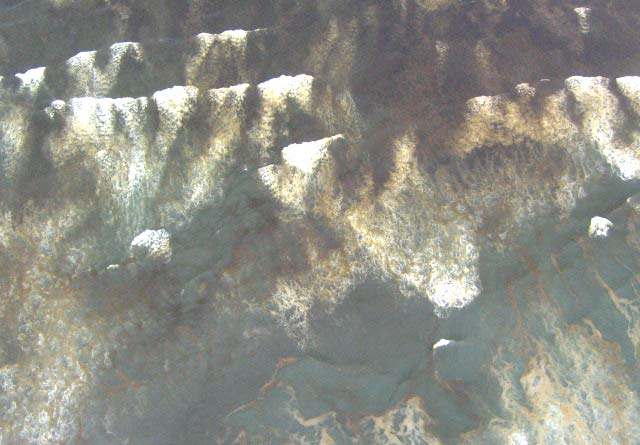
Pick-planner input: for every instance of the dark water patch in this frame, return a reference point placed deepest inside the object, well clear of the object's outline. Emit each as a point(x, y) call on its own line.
point(478, 332)
point(592, 302)
point(604, 196)
point(234, 365)
point(191, 365)
point(614, 38)
point(239, 14)
point(573, 109)
point(242, 234)
point(36, 180)
point(376, 332)
point(133, 77)
point(152, 20)
point(321, 387)
point(152, 119)
point(10, 350)
point(545, 89)
point(56, 80)
point(267, 56)
point(102, 57)
point(566, 272)
point(291, 124)
point(119, 121)
point(11, 82)
point(48, 36)
point(140, 22)
point(301, 23)
point(252, 105)
point(375, 327)
point(378, 146)
point(450, 407)
point(457, 22)
point(550, 26)
point(222, 66)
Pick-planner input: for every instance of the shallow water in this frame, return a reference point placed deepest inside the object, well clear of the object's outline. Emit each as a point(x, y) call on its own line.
point(310, 222)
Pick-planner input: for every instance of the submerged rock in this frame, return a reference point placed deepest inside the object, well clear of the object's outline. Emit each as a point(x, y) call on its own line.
point(152, 246)
point(267, 221)
point(599, 227)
